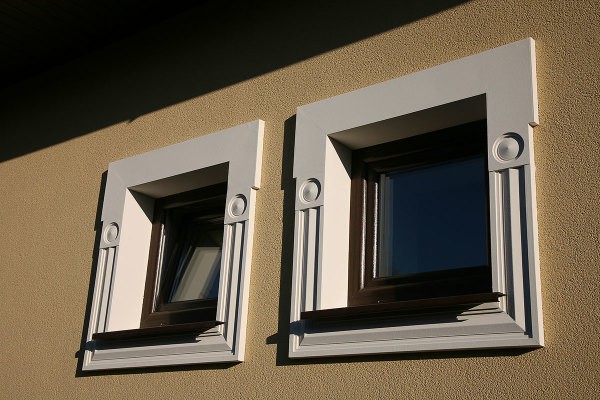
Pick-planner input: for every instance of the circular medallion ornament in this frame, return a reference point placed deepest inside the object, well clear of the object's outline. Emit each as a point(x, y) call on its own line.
point(237, 205)
point(310, 190)
point(111, 232)
point(508, 147)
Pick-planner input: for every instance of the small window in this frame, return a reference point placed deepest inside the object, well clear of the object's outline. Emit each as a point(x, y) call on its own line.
point(418, 220)
point(173, 271)
point(182, 283)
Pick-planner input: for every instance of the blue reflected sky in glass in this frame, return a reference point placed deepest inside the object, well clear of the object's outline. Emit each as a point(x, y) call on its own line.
point(433, 218)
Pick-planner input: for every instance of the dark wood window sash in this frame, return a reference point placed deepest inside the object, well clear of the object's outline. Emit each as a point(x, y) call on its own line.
point(156, 311)
point(368, 164)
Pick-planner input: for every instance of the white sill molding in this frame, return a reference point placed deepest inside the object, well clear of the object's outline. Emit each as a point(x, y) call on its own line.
point(498, 85)
point(233, 155)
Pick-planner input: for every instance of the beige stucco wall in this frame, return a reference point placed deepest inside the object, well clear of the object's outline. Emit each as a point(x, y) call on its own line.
point(87, 112)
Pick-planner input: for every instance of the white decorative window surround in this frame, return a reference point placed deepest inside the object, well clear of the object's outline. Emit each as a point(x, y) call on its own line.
point(232, 155)
point(498, 85)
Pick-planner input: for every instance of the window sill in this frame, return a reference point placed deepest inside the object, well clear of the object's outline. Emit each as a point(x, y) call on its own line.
point(400, 308)
point(192, 328)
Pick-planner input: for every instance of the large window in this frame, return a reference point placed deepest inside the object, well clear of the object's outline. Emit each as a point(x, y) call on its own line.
point(419, 218)
point(415, 205)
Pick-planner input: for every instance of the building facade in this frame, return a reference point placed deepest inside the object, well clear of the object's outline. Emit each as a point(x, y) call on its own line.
point(214, 67)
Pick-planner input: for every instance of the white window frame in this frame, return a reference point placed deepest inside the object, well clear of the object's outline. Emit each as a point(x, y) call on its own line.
point(233, 155)
point(500, 85)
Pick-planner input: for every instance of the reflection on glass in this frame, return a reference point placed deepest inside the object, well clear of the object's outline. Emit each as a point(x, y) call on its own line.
point(198, 273)
point(433, 218)
point(194, 243)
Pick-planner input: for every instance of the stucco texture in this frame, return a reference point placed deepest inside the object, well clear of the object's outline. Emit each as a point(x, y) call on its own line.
point(204, 72)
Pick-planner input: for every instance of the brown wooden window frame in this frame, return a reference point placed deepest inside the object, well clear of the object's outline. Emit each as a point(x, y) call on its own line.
point(368, 164)
point(156, 311)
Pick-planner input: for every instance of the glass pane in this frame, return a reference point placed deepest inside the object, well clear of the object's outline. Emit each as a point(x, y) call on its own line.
point(200, 277)
point(193, 238)
point(433, 218)
point(198, 266)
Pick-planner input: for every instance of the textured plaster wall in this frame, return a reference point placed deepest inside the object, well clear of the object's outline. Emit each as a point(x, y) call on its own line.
point(49, 201)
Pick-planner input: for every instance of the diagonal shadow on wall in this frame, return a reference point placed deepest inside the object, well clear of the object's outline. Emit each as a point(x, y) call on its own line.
point(211, 46)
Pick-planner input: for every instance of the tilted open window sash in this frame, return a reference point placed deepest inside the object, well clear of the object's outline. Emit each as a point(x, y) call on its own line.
point(182, 283)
